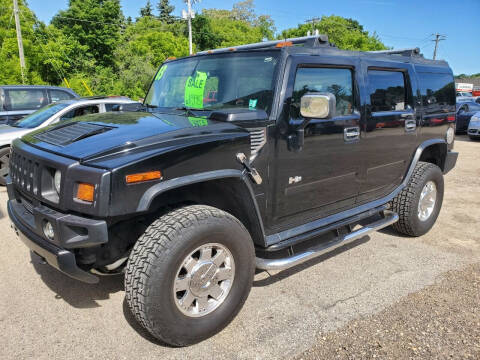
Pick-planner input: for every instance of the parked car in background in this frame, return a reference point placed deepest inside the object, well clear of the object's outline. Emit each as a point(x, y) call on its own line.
point(474, 127)
point(465, 110)
point(59, 111)
point(17, 101)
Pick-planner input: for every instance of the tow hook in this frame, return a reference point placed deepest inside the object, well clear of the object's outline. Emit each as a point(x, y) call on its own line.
point(251, 170)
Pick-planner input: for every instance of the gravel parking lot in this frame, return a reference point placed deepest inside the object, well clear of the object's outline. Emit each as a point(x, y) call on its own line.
point(305, 312)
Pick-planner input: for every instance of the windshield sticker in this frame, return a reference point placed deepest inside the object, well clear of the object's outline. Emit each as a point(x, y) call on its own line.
point(252, 103)
point(161, 72)
point(194, 90)
point(198, 121)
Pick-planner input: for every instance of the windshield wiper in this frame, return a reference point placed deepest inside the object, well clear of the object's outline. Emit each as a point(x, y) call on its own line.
point(190, 110)
point(150, 106)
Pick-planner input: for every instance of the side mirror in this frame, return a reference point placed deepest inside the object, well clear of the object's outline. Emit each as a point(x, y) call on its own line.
point(312, 106)
point(318, 105)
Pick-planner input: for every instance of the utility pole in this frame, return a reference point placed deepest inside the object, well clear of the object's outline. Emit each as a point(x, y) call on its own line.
point(438, 38)
point(19, 39)
point(313, 21)
point(189, 15)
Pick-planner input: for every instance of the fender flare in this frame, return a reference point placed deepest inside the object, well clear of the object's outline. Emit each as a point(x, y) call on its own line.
point(164, 186)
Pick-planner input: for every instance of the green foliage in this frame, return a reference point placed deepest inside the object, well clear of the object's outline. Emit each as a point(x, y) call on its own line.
point(345, 33)
point(95, 24)
point(165, 11)
point(147, 10)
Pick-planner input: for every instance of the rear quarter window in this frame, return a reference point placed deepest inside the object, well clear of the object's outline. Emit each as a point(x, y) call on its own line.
point(437, 91)
point(57, 95)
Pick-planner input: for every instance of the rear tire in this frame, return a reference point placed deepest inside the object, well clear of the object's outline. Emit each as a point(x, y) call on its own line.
point(419, 203)
point(159, 270)
point(4, 165)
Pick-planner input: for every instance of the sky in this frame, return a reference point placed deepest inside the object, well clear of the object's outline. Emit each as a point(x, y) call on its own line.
point(398, 23)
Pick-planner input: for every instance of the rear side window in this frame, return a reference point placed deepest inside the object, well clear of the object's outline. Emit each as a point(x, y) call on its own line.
point(438, 92)
point(335, 81)
point(57, 95)
point(84, 110)
point(387, 90)
point(27, 99)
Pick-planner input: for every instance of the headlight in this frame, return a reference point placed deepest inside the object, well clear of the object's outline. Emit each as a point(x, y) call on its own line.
point(450, 135)
point(57, 180)
point(475, 119)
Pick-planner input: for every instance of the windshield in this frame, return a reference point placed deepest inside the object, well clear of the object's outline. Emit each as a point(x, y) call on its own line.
point(242, 80)
point(40, 116)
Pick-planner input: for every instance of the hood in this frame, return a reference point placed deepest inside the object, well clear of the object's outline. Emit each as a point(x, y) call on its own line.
point(9, 133)
point(93, 136)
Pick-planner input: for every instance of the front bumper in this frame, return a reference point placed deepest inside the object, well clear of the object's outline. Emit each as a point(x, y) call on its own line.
point(474, 130)
point(450, 161)
point(71, 232)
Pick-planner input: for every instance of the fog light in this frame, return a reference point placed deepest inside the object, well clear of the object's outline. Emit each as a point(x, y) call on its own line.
point(450, 135)
point(48, 230)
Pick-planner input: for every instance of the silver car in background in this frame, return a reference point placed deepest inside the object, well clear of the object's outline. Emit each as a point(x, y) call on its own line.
point(474, 127)
point(51, 114)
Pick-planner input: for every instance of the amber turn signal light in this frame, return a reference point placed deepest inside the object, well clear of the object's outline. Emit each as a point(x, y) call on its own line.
point(146, 176)
point(284, 44)
point(86, 192)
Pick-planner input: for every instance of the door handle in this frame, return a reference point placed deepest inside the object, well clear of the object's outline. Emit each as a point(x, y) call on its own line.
point(410, 125)
point(351, 133)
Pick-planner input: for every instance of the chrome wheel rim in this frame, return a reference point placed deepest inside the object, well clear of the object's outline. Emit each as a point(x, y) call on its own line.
point(428, 198)
point(204, 280)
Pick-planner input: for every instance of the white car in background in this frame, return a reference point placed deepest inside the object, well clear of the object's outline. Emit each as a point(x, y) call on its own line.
point(474, 127)
point(56, 112)
point(463, 96)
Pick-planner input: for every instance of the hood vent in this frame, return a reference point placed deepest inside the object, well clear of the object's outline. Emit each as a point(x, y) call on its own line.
point(258, 138)
point(70, 133)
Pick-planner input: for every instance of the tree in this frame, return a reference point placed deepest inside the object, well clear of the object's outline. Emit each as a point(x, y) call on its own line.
point(147, 10)
point(165, 11)
point(95, 24)
point(345, 33)
point(203, 35)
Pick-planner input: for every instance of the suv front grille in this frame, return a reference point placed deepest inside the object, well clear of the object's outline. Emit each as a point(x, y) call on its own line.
point(24, 173)
point(258, 138)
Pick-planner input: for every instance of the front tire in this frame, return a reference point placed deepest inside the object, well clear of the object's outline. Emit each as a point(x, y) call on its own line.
point(189, 274)
point(419, 203)
point(4, 165)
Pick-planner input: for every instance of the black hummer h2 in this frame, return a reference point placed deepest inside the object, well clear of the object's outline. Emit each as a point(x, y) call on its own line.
point(261, 156)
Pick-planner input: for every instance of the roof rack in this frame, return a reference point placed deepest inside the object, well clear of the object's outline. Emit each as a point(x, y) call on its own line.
point(308, 41)
point(404, 52)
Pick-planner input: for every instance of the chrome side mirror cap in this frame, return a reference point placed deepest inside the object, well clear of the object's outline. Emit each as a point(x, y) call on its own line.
point(318, 105)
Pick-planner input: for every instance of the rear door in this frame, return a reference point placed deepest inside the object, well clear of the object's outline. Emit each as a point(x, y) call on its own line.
point(390, 128)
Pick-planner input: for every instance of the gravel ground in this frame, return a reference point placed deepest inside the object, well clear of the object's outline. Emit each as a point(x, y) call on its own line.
point(45, 315)
point(439, 322)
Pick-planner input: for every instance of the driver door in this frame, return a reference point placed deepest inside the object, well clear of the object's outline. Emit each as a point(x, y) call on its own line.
point(323, 176)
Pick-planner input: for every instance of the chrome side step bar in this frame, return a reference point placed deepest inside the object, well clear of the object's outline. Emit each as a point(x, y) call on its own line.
point(285, 263)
